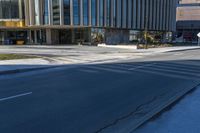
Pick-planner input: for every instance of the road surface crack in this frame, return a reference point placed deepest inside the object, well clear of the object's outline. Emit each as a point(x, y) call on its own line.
point(137, 111)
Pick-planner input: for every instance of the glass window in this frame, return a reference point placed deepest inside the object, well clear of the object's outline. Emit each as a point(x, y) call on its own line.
point(108, 13)
point(101, 12)
point(119, 13)
point(9, 9)
point(46, 12)
point(56, 12)
point(85, 12)
point(66, 12)
point(94, 14)
point(76, 12)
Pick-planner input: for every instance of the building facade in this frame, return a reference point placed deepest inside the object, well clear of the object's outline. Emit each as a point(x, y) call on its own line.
point(188, 20)
point(71, 21)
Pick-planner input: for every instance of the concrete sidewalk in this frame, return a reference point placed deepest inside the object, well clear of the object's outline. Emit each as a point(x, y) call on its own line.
point(23, 65)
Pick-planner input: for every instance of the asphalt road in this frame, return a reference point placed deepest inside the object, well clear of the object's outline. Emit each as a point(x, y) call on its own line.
point(98, 98)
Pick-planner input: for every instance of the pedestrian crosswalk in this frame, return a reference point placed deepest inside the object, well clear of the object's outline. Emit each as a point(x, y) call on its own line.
point(182, 69)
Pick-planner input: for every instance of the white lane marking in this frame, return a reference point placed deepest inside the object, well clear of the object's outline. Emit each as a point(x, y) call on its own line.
point(16, 96)
point(147, 65)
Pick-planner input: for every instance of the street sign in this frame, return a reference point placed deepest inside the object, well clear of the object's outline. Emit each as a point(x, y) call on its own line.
point(198, 34)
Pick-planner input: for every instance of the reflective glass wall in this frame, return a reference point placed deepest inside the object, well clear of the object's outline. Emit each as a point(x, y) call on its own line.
point(76, 12)
point(66, 4)
point(122, 14)
point(9, 9)
point(56, 11)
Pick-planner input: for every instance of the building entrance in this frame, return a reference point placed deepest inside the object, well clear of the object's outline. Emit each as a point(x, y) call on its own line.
point(9, 37)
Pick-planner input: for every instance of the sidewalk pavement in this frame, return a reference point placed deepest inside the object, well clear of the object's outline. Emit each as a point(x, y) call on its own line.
point(79, 55)
point(23, 65)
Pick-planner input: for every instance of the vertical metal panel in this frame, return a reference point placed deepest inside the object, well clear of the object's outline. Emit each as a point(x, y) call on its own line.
point(158, 14)
point(147, 15)
point(142, 14)
point(20, 9)
point(27, 13)
point(97, 11)
point(32, 16)
point(167, 15)
point(164, 14)
point(61, 13)
point(81, 12)
point(50, 13)
point(151, 14)
point(161, 15)
point(130, 13)
point(105, 13)
point(41, 7)
point(124, 13)
point(170, 14)
point(112, 13)
point(89, 12)
point(138, 14)
point(175, 2)
point(134, 17)
point(71, 12)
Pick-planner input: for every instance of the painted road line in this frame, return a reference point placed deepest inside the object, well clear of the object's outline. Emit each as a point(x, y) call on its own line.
point(15, 96)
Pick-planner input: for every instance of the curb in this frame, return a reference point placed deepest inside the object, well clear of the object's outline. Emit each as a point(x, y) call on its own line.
point(8, 72)
point(179, 50)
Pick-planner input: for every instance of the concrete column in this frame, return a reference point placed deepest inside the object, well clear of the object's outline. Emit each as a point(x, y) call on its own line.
point(35, 35)
point(48, 36)
point(73, 36)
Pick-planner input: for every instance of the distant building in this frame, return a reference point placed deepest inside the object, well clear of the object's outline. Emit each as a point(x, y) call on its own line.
point(188, 20)
point(73, 21)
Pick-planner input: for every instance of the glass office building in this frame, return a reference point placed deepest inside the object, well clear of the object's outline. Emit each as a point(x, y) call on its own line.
point(71, 21)
point(188, 21)
point(12, 21)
